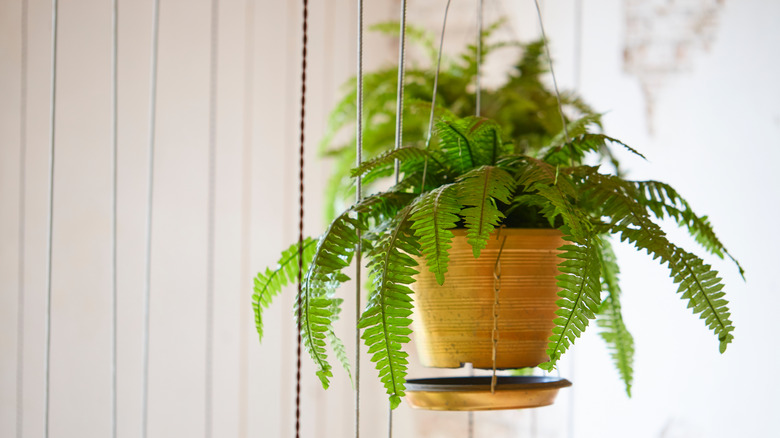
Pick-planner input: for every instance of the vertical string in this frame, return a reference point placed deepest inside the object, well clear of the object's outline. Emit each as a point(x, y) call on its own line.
point(300, 221)
point(479, 63)
point(149, 198)
point(114, 171)
point(577, 81)
point(399, 106)
point(22, 223)
point(552, 71)
point(50, 232)
point(211, 228)
point(435, 88)
point(246, 220)
point(359, 197)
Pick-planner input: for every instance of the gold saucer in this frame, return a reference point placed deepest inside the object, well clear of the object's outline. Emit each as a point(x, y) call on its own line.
point(473, 393)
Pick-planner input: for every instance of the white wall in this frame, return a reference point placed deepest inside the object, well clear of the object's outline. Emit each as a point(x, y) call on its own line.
point(724, 104)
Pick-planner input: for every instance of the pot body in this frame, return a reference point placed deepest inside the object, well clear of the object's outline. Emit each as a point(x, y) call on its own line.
point(453, 322)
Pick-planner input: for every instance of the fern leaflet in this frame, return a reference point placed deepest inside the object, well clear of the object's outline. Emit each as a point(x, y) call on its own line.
point(433, 217)
point(580, 295)
point(385, 321)
point(610, 318)
point(478, 191)
point(268, 284)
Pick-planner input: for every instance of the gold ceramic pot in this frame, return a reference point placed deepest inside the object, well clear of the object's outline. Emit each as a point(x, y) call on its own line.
point(453, 323)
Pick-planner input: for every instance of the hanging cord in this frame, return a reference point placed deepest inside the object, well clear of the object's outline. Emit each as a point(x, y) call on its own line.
point(399, 108)
point(22, 221)
point(358, 198)
point(552, 72)
point(496, 293)
point(149, 200)
point(300, 222)
point(577, 81)
point(211, 211)
point(433, 98)
point(478, 105)
point(246, 221)
point(114, 183)
point(52, 127)
point(479, 57)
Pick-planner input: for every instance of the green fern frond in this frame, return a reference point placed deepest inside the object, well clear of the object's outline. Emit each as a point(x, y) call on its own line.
point(699, 284)
point(575, 150)
point(580, 295)
point(433, 217)
point(610, 318)
point(335, 342)
point(664, 201)
point(268, 284)
point(478, 191)
point(315, 308)
point(388, 158)
point(385, 321)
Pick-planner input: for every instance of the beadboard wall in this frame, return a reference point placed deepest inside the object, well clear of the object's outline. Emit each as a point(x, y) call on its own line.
point(710, 128)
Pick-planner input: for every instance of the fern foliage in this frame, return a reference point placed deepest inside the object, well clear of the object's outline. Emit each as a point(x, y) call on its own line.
point(628, 218)
point(580, 295)
point(433, 217)
point(610, 318)
point(479, 191)
point(268, 284)
point(385, 321)
point(316, 307)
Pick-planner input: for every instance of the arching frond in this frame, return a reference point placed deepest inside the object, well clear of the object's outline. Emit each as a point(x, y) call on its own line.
point(478, 191)
point(385, 321)
point(699, 284)
point(387, 159)
point(316, 308)
point(664, 201)
point(268, 284)
point(580, 295)
point(433, 217)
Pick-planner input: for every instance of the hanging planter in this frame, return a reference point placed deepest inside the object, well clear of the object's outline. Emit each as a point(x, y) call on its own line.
point(454, 321)
point(434, 230)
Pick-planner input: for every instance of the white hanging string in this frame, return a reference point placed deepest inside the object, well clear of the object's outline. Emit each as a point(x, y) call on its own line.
point(52, 127)
point(399, 108)
point(435, 88)
point(552, 71)
point(149, 198)
point(114, 165)
point(399, 117)
point(479, 62)
point(211, 228)
point(359, 197)
point(246, 221)
point(22, 220)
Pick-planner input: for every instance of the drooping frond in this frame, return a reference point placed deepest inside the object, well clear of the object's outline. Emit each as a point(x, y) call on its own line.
point(268, 284)
point(433, 217)
point(478, 191)
point(385, 321)
point(610, 319)
point(699, 284)
point(580, 295)
point(336, 343)
point(574, 151)
point(316, 308)
point(664, 201)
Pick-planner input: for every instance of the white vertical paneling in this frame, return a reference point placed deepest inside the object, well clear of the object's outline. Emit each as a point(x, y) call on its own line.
point(10, 173)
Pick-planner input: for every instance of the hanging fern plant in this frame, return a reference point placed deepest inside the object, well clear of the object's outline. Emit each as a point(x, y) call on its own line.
point(480, 173)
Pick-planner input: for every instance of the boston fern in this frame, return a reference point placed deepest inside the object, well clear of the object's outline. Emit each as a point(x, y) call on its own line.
point(473, 176)
point(516, 167)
